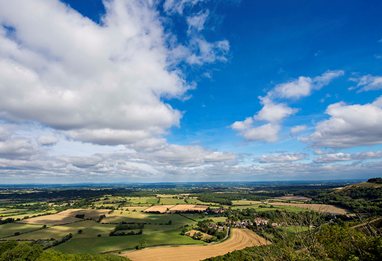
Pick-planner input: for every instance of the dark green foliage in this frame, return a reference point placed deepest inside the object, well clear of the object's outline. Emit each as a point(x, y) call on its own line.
point(11, 251)
point(126, 226)
point(60, 241)
point(215, 198)
point(120, 229)
point(211, 228)
point(6, 221)
point(375, 180)
point(329, 242)
point(358, 199)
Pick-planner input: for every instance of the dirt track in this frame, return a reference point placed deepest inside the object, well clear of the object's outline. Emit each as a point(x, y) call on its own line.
point(239, 239)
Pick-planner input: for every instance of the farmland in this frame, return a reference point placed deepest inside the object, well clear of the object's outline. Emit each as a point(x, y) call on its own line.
point(140, 223)
point(239, 239)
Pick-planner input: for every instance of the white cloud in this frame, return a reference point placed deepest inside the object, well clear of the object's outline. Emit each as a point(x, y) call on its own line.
point(18, 148)
point(349, 126)
point(267, 132)
point(341, 156)
point(178, 6)
point(97, 83)
point(197, 22)
point(47, 140)
point(298, 129)
point(206, 52)
point(275, 112)
point(282, 157)
point(368, 83)
point(303, 86)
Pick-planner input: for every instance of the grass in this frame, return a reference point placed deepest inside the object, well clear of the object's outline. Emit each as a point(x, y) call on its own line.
point(266, 207)
point(12, 228)
point(171, 201)
point(156, 232)
point(244, 202)
point(194, 201)
point(90, 229)
point(118, 243)
point(142, 200)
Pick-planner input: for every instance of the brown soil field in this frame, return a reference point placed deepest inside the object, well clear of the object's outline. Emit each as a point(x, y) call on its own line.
point(239, 239)
point(66, 216)
point(297, 198)
point(159, 208)
point(185, 208)
point(316, 207)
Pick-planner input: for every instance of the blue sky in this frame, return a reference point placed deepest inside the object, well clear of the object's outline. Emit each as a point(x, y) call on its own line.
point(190, 90)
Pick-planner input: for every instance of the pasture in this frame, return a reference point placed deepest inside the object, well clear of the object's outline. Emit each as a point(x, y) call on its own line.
point(239, 239)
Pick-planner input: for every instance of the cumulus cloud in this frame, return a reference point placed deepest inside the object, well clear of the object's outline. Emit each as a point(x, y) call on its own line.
point(17, 148)
point(349, 126)
point(303, 86)
point(368, 83)
point(297, 129)
point(282, 157)
point(274, 112)
point(102, 83)
point(267, 132)
point(341, 156)
point(47, 140)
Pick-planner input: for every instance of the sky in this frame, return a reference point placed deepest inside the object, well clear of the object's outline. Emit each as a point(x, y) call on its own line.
point(123, 91)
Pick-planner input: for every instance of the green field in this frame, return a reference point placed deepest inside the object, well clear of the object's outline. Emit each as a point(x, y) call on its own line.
point(89, 229)
point(171, 201)
point(108, 244)
point(266, 207)
point(12, 228)
point(156, 232)
point(142, 200)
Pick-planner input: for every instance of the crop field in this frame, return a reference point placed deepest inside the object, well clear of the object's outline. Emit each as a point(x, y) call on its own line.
point(293, 198)
point(315, 207)
point(153, 235)
point(171, 201)
point(239, 239)
point(292, 207)
point(176, 208)
point(269, 207)
point(143, 200)
point(166, 226)
point(90, 229)
point(159, 208)
point(67, 216)
point(245, 202)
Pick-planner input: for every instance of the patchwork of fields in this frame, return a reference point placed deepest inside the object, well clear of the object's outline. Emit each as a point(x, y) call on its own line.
point(239, 239)
point(155, 223)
